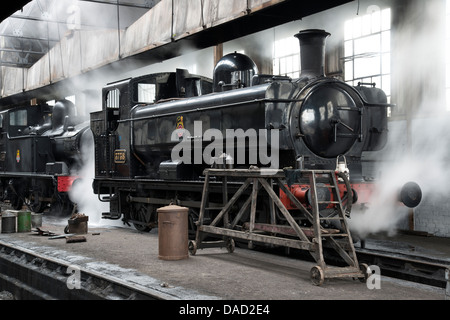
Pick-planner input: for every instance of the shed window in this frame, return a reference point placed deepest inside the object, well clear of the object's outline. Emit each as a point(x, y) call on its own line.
point(286, 60)
point(368, 49)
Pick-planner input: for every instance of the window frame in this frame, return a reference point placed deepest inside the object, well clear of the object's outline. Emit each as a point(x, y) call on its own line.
point(374, 57)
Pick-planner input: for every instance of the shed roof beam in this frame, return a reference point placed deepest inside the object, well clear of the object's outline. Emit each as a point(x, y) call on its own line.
point(49, 20)
point(29, 38)
point(15, 64)
point(21, 51)
point(121, 4)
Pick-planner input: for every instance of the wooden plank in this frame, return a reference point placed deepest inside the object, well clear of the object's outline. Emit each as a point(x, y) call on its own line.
point(231, 202)
point(248, 173)
point(297, 244)
point(316, 221)
point(241, 212)
point(287, 230)
point(204, 201)
point(253, 207)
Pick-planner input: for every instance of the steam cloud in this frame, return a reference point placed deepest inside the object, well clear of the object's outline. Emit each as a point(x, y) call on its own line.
point(419, 151)
point(82, 194)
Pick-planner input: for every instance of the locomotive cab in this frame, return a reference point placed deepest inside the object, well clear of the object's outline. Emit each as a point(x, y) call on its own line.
point(111, 126)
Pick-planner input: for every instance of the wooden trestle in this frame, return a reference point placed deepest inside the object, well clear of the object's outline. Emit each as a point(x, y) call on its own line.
point(293, 235)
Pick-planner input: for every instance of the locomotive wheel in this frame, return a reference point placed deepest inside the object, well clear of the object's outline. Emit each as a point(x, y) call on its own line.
point(16, 202)
point(317, 276)
point(143, 214)
point(35, 204)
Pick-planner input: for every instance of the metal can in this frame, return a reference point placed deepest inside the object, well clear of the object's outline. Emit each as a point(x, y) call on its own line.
point(24, 221)
point(173, 233)
point(9, 219)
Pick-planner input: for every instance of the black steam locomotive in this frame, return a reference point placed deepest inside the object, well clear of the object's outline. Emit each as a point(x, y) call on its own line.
point(156, 134)
point(40, 155)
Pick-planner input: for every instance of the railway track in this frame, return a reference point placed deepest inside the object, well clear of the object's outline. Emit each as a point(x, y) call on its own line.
point(418, 269)
point(32, 276)
point(414, 268)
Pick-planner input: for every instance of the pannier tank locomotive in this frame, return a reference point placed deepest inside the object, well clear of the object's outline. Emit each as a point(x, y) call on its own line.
point(41, 153)
point(319, 121)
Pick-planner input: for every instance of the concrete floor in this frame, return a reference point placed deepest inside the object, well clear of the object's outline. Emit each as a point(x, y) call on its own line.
point(212, 273)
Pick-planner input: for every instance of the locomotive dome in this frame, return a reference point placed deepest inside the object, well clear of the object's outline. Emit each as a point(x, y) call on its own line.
point(233, 71)
point(60, 110)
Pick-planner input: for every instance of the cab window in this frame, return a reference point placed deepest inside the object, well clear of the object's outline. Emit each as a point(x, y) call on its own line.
point(18, 118)
point(146, 93)
point(113, 99)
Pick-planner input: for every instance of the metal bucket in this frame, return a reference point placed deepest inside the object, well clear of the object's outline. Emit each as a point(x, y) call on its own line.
point(9, 222)
point(36, 220)
point(173, 233)
point(24, 221)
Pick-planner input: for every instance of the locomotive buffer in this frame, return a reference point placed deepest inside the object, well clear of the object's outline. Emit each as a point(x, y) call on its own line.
point(312, 239)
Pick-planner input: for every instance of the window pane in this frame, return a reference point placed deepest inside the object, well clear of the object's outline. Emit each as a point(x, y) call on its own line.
point(348, 30)
point(289, 64)
point(357, 26)
point(386, 85)
point(146, 92)
point(113, 99)
point(377, 81)
point(366, 25)
point(18, 118)
point(296, 63)
point(367, 66)
point(282, 66)
point(349, 71)
point(367, 44)
point(386, 63)
point(276, 66)
point(348, 48)
point(376, 21)
point(386, 19)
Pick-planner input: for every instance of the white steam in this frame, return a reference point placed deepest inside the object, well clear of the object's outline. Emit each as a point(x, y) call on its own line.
point(419, 142)
point(82, 193)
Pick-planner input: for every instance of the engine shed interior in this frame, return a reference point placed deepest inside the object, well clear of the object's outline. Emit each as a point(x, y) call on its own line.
point(53, 50)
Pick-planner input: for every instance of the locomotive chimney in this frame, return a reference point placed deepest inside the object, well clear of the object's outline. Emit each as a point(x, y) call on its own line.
point(312, 52)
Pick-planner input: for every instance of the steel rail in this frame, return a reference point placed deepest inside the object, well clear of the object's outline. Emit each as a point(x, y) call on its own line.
point(414, 268)
point(34, 276)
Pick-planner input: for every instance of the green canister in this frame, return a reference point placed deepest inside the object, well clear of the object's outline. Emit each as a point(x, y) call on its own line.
point(24, 221)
